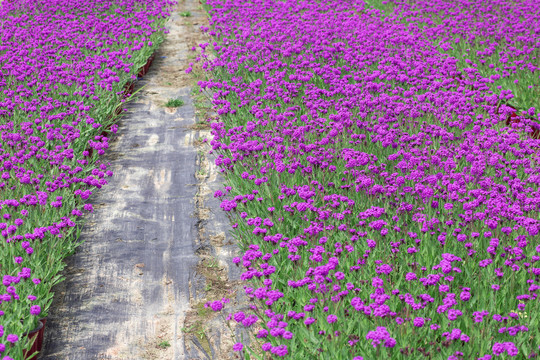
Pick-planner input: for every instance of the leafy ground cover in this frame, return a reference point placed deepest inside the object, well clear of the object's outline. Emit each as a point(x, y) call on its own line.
point(385, 205)
point(64, 66)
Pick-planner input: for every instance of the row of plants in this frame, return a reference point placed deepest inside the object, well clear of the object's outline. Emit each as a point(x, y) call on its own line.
point(384, 204)
point(66, 68)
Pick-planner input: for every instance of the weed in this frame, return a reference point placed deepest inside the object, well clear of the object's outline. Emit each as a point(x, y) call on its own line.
point(174, 103)
point(189, 329)
point(213, 264)
point(164, 344)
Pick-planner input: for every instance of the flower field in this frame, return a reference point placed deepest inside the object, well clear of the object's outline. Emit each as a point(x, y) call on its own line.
point(65, 69)
point(381, 166)
point(380, 159)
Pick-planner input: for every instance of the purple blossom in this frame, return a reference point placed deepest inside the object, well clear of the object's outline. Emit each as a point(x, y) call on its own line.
point(418, 322)
point(12, 338)
point(331, 318)
point(35, 310)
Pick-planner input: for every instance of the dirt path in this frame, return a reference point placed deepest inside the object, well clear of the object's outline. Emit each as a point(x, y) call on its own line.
point(157, 245)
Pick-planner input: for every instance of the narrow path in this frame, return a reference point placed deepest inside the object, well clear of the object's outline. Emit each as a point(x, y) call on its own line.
point(128, 287)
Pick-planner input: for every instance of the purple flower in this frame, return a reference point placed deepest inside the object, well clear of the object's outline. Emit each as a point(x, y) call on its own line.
point(12, 338)
point(410, 276)
point(484, 263)
point(508, 347)
point(444, 288)
point(377, 282)
point(453, 314)
point(35, 310)
point(384, 269)
point(491, 223)
point(287, 335)
point(280, 350)
point(216, 305)
point(238, 347)
point(331, 318)
point(239, 316)
point(390, 343)
point(379, 335)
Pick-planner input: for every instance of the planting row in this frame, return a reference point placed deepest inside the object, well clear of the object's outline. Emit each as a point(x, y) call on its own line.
point(66, 67)
point(385, 205)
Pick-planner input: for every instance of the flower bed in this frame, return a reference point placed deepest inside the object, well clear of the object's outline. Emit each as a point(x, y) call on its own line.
point(383, 207)
point(495, 42)
point(65, 67)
